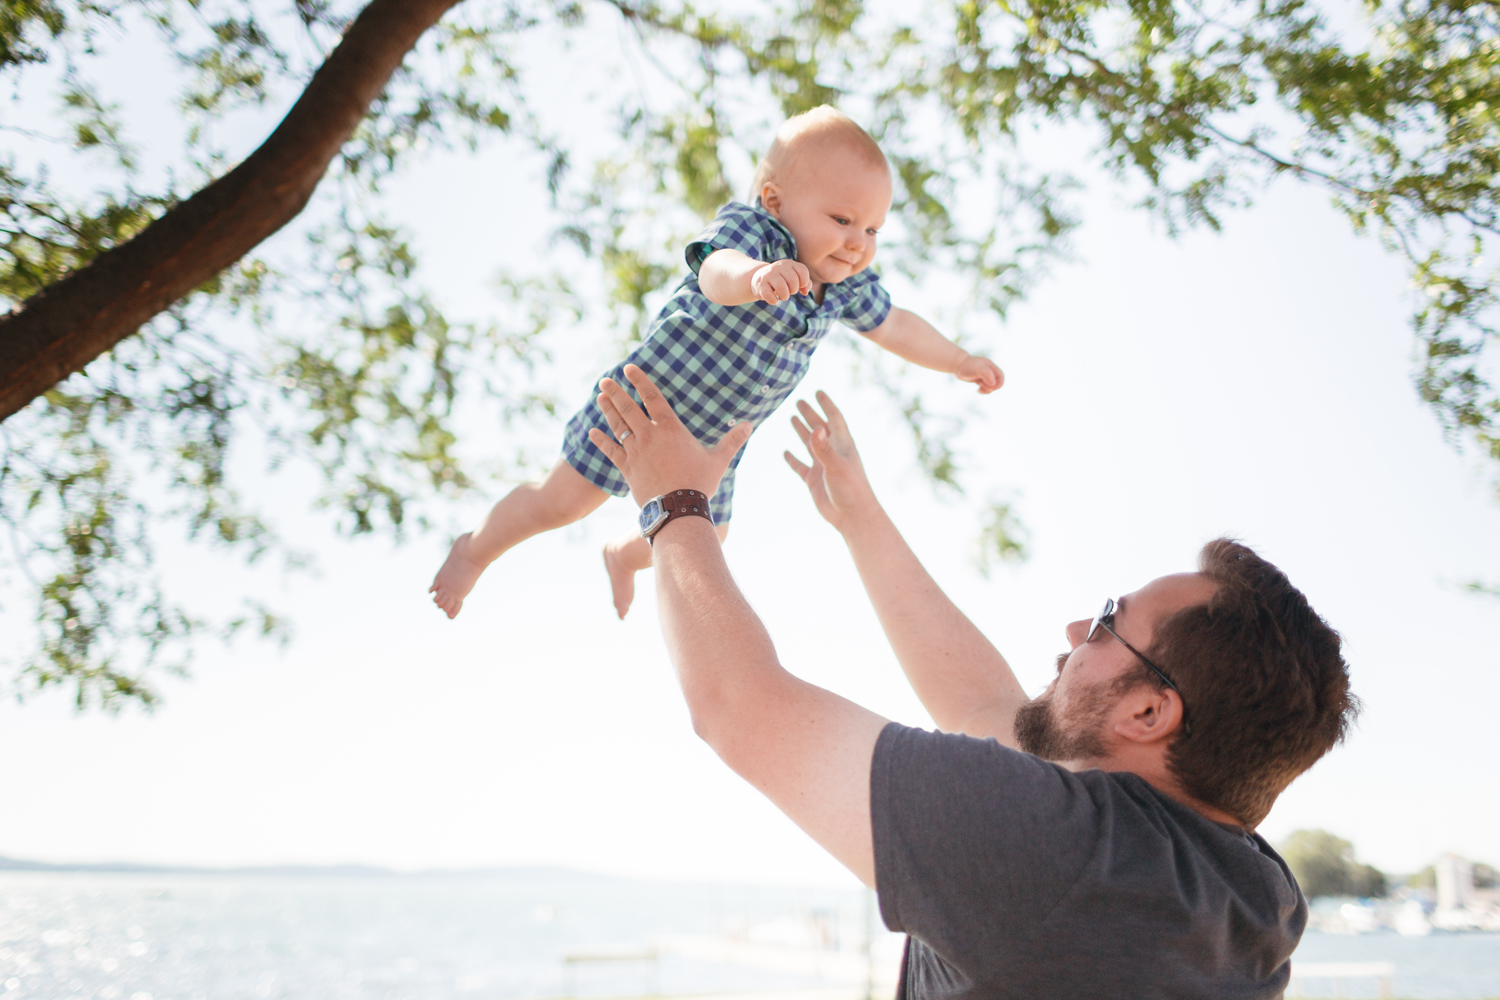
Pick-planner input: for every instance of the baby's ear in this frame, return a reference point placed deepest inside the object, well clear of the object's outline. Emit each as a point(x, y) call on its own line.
point(770, 198)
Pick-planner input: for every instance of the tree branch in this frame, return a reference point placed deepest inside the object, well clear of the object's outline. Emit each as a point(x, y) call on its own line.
point(65, 326)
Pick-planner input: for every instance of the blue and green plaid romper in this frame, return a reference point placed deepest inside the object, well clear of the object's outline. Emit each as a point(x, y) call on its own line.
point(721, 365)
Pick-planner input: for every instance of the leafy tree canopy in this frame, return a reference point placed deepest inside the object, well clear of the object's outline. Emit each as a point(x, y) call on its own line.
point(1325, 866)
point(322, 346)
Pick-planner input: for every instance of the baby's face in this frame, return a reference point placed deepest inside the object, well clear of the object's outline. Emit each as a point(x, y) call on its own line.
point(833, 202)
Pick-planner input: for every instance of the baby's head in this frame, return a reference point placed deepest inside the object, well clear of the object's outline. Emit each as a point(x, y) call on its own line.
point(827, 181)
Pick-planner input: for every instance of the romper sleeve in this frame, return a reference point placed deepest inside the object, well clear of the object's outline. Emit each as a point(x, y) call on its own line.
point(869, 303)
point(740, 227)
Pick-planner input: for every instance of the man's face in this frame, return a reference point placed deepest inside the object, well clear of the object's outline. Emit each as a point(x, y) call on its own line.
point(1073, 720)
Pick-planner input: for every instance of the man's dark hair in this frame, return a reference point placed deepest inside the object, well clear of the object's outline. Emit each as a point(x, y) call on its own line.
point(1265, 687)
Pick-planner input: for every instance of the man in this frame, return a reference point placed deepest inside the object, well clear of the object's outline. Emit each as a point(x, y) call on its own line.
point(1125, 863)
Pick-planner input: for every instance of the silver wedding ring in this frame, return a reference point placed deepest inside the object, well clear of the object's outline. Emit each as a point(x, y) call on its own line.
point(625, 435)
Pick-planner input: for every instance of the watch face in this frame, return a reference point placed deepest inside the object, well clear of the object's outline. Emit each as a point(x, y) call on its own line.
point(653, 515)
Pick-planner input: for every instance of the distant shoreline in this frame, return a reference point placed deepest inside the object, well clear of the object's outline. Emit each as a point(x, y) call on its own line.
point(340, 871)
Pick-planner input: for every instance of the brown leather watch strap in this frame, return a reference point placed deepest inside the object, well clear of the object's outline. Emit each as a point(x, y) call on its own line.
point(683, 503)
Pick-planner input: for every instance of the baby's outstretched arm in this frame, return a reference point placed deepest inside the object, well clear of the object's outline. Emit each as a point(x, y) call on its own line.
point(731, 278)
point(909, 336)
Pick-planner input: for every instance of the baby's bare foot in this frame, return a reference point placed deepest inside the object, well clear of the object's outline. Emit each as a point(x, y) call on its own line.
point(621, 577)
point(454, 581)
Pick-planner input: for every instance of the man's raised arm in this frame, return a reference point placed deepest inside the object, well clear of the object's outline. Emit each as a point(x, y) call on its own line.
point(805, 748)
point(961, 678)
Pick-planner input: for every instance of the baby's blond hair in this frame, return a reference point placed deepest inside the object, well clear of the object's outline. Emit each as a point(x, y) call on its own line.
point(812, 130)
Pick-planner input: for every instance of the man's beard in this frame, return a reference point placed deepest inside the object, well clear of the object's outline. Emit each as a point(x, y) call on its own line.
point(1038, 730)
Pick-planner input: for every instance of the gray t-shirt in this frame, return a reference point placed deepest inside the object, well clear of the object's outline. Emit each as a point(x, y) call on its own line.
point(1017, 878)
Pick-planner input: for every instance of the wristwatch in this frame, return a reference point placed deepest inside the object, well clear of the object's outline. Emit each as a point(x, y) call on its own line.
point(670, 506)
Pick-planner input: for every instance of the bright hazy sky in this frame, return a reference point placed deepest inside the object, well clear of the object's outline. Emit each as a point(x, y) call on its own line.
point(1160, 393)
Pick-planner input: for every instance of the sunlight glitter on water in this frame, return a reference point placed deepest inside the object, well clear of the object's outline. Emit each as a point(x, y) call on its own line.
point(184, 937)
point(88, 936)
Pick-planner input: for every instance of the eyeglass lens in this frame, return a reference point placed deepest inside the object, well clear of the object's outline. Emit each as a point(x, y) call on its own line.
point(1109, 607)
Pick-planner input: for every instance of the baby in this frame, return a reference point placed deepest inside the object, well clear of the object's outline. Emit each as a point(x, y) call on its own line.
point(768, 281)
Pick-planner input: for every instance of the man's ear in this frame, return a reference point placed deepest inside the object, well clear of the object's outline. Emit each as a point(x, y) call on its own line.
point(770, 198)
point(1149, 715)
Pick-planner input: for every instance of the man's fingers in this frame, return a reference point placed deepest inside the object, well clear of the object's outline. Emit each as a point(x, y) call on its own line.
point(802, 431)
point(813, 417)
point(611, 415)
point(835, 415)
point(657, 406)
point(606, 444)
point(736, 438)
point(802, 471)
point(630, 416)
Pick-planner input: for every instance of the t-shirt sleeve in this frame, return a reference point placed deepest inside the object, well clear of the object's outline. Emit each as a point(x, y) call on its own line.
point(739, 227)
point(869, 304)
point(975, 843)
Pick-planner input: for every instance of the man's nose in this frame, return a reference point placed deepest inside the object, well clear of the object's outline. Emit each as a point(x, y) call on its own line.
point(1075, 631)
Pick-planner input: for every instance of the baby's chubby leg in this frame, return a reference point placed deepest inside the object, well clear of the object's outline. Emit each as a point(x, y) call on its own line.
point(628, 555)
point(529, 509)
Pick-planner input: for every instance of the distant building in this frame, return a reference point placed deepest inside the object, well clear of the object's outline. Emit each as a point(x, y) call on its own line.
point(1459, 907)
point(1455, 882)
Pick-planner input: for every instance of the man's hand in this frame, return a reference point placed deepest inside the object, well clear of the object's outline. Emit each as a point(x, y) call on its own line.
point(652, 450)
point(780, 280)
point(982, 371)
point(836, 479)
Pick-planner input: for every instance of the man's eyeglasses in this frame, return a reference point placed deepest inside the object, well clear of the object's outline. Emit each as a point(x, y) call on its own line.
point(1106, 620)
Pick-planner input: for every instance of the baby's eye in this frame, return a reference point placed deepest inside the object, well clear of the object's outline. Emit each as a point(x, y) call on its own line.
point(873, 232)
point(841, 220)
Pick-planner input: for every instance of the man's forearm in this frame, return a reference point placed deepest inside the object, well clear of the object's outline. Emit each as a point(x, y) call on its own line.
point(715, 640)
point(805, 748)
point(961, 679)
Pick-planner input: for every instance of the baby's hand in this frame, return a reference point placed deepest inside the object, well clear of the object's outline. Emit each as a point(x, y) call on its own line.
point(780, 280)
point(980, 370)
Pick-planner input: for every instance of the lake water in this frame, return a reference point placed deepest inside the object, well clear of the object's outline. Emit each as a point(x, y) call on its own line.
point(310, 937)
